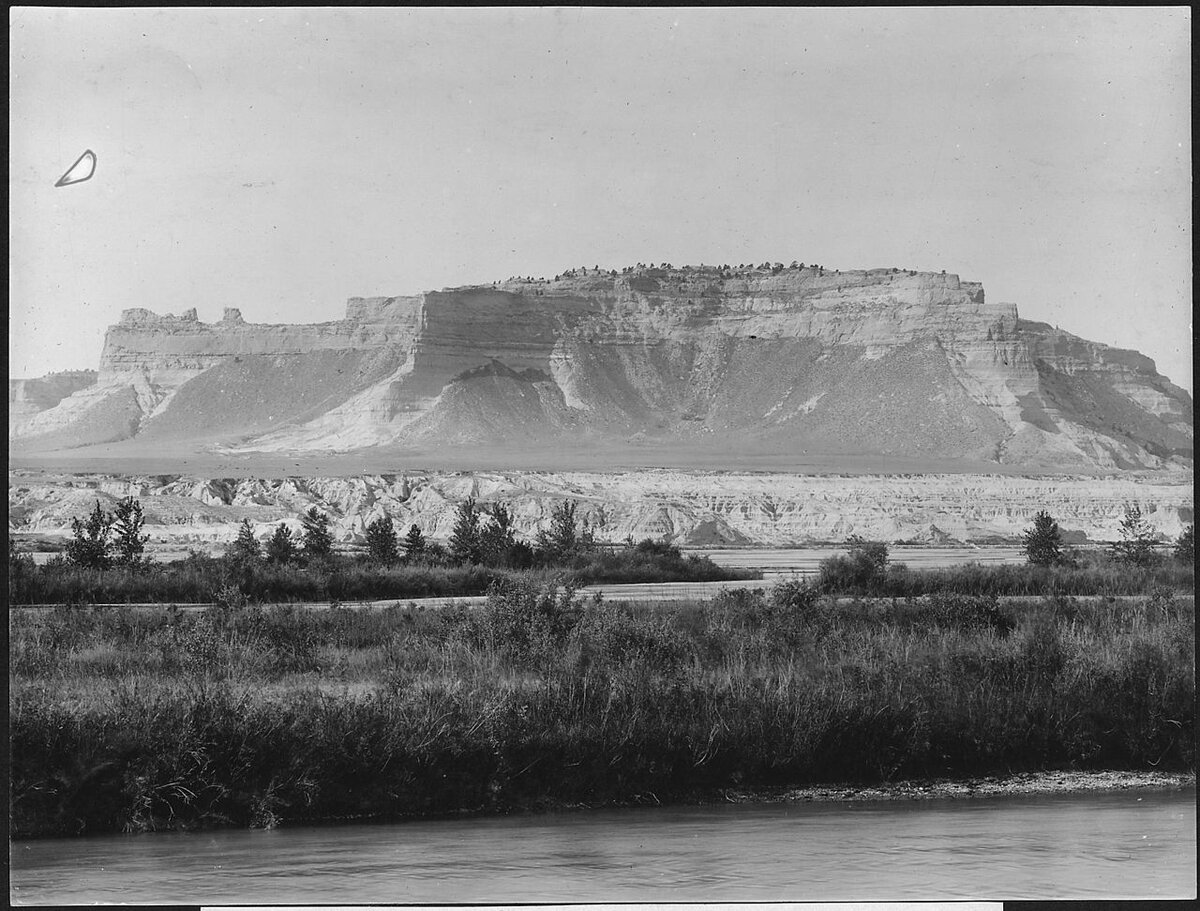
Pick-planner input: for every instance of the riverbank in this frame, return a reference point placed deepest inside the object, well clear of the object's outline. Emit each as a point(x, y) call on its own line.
point(1029, 783)
point(141, 719)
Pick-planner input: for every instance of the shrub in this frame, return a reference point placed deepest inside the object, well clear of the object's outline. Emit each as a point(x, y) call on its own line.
point(1185, 548)
point(525, 619)
point(20, 569)
point(795, 595)
point(88, 547)
point(608, 635)
point(863, 567)
point(967, 612)
point(652, 548)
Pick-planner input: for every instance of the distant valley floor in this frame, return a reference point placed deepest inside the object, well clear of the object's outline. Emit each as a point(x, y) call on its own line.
point(135, 457)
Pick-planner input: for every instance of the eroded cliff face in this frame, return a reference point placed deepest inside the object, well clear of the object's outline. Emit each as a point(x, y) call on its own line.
point(30, 397)
point(690, 508)
point(880, 361)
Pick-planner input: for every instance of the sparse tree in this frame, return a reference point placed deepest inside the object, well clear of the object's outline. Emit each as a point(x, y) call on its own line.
point(245, 549)
point(318, 542)
point(128, 541)
point(1043, 542)
point(1185, 549)
point(464, 540)
point(281, 546)
point(1136, 545)
point(414, 544)
point(381, 541)
point(89, 544)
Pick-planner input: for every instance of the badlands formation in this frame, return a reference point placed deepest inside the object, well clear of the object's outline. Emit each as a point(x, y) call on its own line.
point(651, 369)
point(882, 362)
point(690, 508)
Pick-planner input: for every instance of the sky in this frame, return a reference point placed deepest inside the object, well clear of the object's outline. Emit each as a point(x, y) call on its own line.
point(283, 160)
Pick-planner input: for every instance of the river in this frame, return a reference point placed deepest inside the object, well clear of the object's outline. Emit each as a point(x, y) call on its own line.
point(1124, 844)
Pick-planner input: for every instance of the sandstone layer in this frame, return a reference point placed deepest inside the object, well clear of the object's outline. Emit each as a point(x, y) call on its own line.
point(881, 361)
point(690, 508)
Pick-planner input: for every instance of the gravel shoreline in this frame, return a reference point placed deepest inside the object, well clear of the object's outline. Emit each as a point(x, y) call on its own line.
point(1025, 783)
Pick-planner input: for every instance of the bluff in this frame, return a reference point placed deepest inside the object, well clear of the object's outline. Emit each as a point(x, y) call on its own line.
point(883, 361)
point(29, 397)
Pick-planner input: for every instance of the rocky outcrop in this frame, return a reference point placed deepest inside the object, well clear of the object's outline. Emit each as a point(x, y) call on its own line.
point(880, 361)
point(693, 508)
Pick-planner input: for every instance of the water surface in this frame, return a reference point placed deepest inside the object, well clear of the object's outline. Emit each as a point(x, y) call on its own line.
point(1130, 844)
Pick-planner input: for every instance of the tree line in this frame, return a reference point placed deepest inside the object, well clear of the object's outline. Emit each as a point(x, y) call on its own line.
point(486, 536)
point(1043, 544)
point(482, 536)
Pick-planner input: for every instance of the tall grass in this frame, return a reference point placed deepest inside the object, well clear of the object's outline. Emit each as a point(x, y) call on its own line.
point(136, 719)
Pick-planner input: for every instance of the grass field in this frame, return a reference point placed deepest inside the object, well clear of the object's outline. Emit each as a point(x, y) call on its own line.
point(140, 719)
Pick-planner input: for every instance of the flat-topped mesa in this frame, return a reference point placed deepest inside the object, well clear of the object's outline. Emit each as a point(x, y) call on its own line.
point(787, 358)
point(168, 350)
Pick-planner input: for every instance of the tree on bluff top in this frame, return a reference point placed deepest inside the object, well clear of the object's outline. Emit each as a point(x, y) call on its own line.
point(1043, 542)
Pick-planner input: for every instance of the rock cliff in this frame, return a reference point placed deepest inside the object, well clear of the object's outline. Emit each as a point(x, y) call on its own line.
point(881, 361)
point(27, 398)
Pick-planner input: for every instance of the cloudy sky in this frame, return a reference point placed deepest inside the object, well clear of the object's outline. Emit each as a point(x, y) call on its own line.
point(283, 160)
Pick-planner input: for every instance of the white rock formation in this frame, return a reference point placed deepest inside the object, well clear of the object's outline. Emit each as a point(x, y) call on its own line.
point(703, 508)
